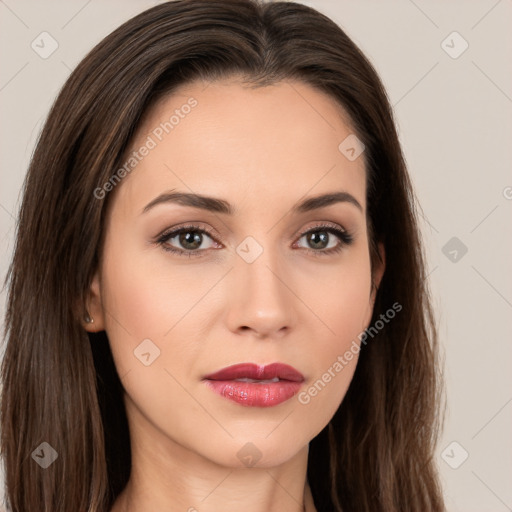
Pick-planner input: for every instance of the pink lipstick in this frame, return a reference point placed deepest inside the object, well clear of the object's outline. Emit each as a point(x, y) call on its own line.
point(256, 386)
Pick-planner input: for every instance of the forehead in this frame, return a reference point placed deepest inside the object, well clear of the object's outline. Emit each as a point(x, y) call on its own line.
point(228, 140)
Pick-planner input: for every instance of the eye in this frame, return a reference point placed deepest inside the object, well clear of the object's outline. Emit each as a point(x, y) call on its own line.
point(189, 239)
point(322, 242)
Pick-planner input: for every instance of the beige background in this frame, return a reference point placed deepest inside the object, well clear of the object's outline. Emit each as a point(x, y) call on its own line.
point(455, 123)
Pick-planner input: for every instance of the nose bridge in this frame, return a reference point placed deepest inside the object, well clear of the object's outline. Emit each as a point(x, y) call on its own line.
point(260, 297)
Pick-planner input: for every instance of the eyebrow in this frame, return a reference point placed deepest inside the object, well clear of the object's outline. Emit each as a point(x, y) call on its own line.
point(216, 205)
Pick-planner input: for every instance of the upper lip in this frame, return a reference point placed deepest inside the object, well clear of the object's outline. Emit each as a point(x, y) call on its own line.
point(257, 372)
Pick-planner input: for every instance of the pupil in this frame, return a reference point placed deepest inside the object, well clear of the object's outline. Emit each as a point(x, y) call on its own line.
point(190, 239)
point(318, 237)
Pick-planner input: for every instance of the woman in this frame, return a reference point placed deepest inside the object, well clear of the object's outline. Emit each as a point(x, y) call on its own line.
point(217, 298)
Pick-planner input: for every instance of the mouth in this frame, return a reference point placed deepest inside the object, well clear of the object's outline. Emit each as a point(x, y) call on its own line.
point(252, 385)
point(275, 379)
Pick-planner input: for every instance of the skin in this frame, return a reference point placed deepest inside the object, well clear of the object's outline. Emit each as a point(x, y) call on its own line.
point(262, 150)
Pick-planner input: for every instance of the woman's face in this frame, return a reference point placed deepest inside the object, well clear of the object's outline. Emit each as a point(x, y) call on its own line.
point(247, 284)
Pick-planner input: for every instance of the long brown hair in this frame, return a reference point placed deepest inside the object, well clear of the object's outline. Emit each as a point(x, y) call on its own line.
point(60, 384)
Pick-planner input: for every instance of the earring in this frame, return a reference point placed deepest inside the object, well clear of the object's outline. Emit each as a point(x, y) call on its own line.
point(89, 319)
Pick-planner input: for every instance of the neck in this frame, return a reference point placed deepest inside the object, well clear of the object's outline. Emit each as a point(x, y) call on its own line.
point(168, 476)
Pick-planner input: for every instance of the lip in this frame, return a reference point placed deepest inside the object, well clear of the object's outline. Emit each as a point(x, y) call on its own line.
point(256, 394)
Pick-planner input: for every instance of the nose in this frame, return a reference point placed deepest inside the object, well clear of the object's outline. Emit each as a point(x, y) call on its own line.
point(261, 300)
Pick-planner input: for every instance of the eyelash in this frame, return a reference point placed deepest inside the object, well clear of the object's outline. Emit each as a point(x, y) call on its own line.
point(344, 236)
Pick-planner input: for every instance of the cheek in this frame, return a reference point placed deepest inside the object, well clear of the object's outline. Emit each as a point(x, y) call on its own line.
point(349, 306)
point(146, 295)
point(151, 307)
point(342, 302)
point(339, 295)
point(146, 292)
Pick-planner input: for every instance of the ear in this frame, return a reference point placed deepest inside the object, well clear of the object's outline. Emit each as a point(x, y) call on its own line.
point(94, 307)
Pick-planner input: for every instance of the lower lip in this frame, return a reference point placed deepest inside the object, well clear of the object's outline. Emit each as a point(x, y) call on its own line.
point(253, 394)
